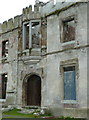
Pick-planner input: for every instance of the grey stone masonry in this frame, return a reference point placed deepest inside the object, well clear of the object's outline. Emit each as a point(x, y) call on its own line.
point(43, 58)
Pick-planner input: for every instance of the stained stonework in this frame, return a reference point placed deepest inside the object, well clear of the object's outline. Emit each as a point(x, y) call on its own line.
point(36, 48)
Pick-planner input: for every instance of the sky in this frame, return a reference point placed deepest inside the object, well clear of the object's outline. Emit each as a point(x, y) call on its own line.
point(11, 8)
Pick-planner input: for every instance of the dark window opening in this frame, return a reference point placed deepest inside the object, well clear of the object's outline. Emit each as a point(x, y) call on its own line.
point(27, 35)
point(69, 69)
point(44, 32)
point(35, 30)
point(69, 30)
point(31, 35)
point(69, 83)
point(5, 48)
point(3, 86)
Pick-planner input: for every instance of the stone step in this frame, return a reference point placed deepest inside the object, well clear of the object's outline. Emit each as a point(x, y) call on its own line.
point(32, 107)
point(36, 110)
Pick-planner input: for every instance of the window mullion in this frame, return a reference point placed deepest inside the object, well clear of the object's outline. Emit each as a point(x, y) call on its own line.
point(24, 36)
point(30, 35)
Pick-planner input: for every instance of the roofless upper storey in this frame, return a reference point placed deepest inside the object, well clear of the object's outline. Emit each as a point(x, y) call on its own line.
point(43, 58)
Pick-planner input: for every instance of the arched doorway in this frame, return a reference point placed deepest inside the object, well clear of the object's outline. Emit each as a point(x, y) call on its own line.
point(34, 90)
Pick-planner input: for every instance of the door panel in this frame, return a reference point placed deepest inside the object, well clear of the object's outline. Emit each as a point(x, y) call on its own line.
point(34, 91)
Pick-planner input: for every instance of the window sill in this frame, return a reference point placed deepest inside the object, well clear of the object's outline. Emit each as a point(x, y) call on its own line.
point(2, 100)
point(27, 50)
point(32, 49)
point(69, 101)
point(68, 43)
point(36, 49)
point(44, 47)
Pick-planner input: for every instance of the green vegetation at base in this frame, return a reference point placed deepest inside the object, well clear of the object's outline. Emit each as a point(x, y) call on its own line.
point(70, 118)
point(15, 113)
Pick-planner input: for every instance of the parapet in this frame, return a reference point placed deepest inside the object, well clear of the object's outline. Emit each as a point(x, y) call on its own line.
point(40, 10)
point(27, 10)
point(17, 21)
point(54, 5)
point(11, 24)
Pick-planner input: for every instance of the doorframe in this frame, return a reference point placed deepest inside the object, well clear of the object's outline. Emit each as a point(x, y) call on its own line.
point(24, 88)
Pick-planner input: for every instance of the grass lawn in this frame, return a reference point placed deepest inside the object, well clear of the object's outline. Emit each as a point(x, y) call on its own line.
point(15, 114)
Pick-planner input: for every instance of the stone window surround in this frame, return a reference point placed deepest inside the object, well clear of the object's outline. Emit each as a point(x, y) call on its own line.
point(4, 59)
point(68, 63)
point(61, 29)
point(30, 37)
point(4, 41)
point(3, 100)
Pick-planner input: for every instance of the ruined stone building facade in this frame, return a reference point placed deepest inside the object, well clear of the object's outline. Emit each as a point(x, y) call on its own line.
point(43, 58)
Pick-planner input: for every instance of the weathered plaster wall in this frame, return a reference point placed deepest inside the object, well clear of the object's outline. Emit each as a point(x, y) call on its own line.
point(47, 64)
point(9, 65)
point(58, 52)
point(19, 63)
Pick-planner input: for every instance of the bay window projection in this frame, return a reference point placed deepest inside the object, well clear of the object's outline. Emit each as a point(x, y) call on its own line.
point(31, 35)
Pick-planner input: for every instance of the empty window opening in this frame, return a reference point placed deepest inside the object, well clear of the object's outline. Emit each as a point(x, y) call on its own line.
point(3, 86)
point(35, 30)
point(31, 35)
point(44, 32)
point(27, 36)
point(69, 30)
point(5, 48)
point(69, 83)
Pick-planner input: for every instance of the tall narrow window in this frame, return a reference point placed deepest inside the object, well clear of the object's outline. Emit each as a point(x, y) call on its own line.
point(5, 48)
point(3, 85)
point(26, 27)
point(69, 83)
point(35, 33)
point(69, 30)
point(31, 34)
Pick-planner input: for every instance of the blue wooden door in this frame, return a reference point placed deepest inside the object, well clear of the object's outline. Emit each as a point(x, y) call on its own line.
point(69, 85)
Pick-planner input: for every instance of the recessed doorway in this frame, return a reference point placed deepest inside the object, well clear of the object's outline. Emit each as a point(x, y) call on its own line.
point(34, 91)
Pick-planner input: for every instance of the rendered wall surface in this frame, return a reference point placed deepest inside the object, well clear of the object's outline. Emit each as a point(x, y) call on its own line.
point(47, 61)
